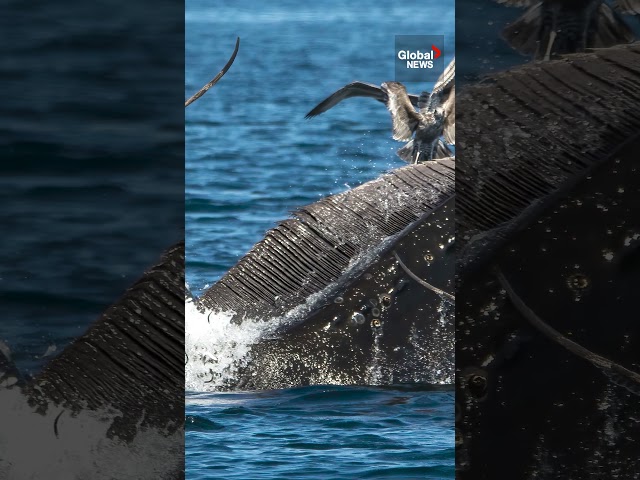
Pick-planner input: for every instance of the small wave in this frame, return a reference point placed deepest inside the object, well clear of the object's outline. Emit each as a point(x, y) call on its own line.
point(198, 423)
point(202, 424)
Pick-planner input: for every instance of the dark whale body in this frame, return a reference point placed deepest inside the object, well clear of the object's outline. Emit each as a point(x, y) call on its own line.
point(370, 322)
point(117, 391)
point(119, 387)
point(548, 242)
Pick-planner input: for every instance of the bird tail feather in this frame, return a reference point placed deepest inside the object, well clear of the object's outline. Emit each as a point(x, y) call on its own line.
point(522, 34)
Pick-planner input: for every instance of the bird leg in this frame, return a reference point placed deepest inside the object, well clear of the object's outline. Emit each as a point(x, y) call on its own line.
point(552, 39)
point(418, 156)
point(433, 147)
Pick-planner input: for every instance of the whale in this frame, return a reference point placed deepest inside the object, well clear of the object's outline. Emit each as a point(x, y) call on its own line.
point(343, 283)
point(547, 263)
point(543, 257)
point(117, 391)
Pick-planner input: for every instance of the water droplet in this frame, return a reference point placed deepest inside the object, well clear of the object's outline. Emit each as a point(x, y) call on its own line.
point(577, 281)
point(357, 318)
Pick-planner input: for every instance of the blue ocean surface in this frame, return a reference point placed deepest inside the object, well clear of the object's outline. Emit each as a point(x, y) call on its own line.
point(251, 159)
point(92, 179)
point(321, 432)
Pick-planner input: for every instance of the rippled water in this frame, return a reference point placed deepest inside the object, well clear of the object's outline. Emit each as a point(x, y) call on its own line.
point(92, 178)
point(332, 433)
point(252, 158)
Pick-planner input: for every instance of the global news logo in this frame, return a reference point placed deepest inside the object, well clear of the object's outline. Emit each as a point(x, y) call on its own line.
point(419, 58)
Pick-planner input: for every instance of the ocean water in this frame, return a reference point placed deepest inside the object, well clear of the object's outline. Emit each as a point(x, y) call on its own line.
point(92, 175)
point(252, 158)
point(323, 432)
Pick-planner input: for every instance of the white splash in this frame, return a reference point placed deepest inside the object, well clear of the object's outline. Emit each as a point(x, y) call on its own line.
point(215, 347)
point(51, 349)
point(80, 450)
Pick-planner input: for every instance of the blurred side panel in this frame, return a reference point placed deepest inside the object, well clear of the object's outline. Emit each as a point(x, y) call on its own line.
point(548, 241)
point(91, 252)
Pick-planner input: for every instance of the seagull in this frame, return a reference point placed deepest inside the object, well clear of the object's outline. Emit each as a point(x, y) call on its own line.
point(556, 27)
point(427, 124)
point(435, 117)
point(216, 79)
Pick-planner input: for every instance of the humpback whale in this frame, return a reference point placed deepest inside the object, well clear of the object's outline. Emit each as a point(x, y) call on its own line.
point(547, 364)
point(555, 27)
point(333, 284)
point(117, 391)
point(436, 115)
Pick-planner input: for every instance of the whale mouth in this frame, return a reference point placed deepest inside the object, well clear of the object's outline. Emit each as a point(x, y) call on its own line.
point(335, 304)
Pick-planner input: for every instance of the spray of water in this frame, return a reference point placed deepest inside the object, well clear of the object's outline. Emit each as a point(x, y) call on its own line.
point(74, 446)
point(215, 347)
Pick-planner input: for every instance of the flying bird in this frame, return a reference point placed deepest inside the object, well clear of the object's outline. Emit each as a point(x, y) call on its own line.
point(435, 117)
point(217, 78)
point(557, 27)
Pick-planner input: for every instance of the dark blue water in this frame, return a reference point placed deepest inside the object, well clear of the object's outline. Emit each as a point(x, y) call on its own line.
point(91, 182)
point(251, 158)
point(329, 433)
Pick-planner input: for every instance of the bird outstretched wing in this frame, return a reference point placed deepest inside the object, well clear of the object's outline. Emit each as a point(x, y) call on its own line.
point(444, 96)
point(354, 89)
point(404, 118)
point(215, 80)
point(611, 28)
point(449, 108)
point(445, 81)
point(441, 89)
point(522, 34)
